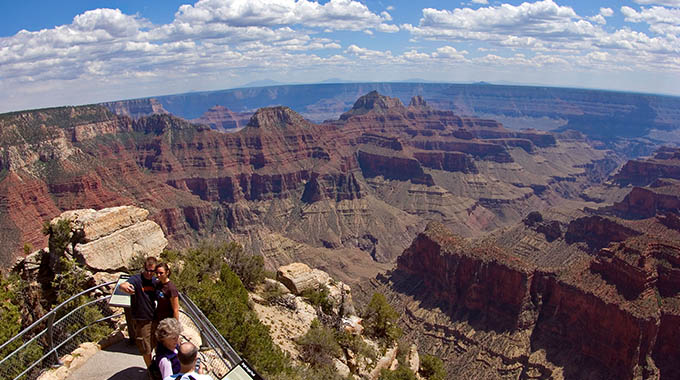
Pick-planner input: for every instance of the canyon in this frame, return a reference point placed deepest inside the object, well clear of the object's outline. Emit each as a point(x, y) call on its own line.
point(285, 187)
point(510, 253)
point(588, 294)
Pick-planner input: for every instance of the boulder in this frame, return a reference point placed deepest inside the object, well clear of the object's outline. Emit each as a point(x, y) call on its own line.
point(413, 359)
point(341, 368)
point(298, 277)
point(99, 223)
point(114, 252)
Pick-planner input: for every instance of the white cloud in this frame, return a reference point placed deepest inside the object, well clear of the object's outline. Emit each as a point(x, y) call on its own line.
point(544, 19)
point(653, 15)
point(335, 14)
point(668, 3)
point(480, 1)
point(606, 12)
point(367, 53)
point(599, 19)
point(449, 52)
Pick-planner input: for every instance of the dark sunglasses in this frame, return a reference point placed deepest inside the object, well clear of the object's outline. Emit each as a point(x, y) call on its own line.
point(157, 272)
point(149, 271)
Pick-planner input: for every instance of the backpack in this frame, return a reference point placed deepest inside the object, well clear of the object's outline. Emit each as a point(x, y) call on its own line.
point(155, 370)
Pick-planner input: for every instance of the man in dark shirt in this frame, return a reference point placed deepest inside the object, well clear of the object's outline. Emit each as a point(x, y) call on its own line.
point(143, 287)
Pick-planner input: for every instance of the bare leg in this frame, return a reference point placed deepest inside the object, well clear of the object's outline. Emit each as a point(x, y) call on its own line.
point(147, 359)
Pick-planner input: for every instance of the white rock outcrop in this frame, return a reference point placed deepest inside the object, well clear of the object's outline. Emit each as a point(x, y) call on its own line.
point(113, 236)
point(299, 277)
point(99, 223)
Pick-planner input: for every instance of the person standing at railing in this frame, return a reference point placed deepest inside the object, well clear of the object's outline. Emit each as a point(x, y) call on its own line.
point(143, 288)
point(166, 295)
point(188, 354)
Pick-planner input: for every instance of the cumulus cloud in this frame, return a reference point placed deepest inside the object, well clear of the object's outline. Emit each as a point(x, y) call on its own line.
point(668, 3)
point(600, 17)
point(653, 15)
point(449, 52)
point(367, 53)
point(234, 33)
point(606, 12)
point(546, 34)
point(544, 19)
point(335, 14)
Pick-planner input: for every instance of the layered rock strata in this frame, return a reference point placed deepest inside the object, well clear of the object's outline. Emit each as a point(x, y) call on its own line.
point(601, 312)
point(366, 182)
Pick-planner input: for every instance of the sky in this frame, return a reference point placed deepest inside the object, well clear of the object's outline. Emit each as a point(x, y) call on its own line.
point(55, 53)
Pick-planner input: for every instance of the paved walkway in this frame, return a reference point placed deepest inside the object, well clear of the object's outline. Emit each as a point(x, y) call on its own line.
point(120, 361)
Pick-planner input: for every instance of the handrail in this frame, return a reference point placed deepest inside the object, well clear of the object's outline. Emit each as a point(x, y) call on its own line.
point(211, 337)
point(53, 350)
point(208, 328)
point(56, 308)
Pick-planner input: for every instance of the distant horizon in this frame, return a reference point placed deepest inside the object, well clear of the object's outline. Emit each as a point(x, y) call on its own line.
point(479, 83)
point(93, 51)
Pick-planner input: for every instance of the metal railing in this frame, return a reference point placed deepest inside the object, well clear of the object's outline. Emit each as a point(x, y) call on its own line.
point(41, 345)
point(215, 352)
point(55, 334)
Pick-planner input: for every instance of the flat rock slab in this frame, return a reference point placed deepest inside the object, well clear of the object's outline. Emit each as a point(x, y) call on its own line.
point(117, 362)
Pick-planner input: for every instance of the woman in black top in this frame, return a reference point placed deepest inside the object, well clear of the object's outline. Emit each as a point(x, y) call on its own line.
point(167, 295)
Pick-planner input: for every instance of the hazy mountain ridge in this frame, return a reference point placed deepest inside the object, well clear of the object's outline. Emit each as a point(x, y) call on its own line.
point(596, 113)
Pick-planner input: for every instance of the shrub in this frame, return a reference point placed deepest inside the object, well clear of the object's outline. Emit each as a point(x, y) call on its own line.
point(380, 320)
point(401, 373)
point(319, 297)
point(356, 344)
point(318, 346)
point(217, 290)
point(432, 368)
point(71, 281)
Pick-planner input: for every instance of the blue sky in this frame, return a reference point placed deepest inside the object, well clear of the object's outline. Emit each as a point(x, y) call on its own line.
point(86, 51)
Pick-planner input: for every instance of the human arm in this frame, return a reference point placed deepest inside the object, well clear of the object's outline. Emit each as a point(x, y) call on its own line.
point(127, 287)
point(165, 367)
point(174, 303)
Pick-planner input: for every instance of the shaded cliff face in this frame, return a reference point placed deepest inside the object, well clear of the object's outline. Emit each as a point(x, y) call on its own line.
point(664, 164)
point(564, 294)
point(492, 311)
point(365, 183)
point(223, 119)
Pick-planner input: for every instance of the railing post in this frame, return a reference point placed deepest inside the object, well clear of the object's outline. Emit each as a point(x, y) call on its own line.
point(50, 340)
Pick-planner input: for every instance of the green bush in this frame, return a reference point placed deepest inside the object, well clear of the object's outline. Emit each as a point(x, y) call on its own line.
point(380, 320)
point(401, 373)
point(318, 346)
point(71, 281)
point(208, 258)
point(319, 297)
point(217, 290)
point(10, 325)
point(356, 344)
point(432, 368)
point(59, 238)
